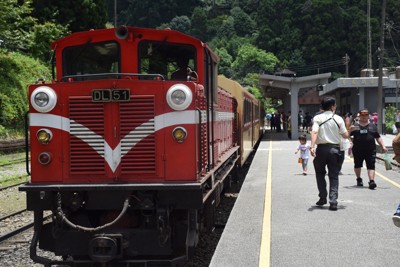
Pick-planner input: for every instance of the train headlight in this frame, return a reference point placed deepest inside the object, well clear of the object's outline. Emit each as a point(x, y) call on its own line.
point(179, 96)
point(44, 158)
point(44, 136)
point(179, 133)
point(43, 99)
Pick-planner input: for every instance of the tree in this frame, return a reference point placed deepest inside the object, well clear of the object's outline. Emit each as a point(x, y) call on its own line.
point(199, 27)
point(15, 24)
point(147, 13)
point(43, 36)
point(78, 15)
point(17, 72)
point(252, 82)
point(250, 59)
point(242, 23)
point(225, 63)
point(181, 24)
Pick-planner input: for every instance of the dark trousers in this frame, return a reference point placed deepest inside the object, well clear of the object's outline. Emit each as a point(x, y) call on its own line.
point(327, 156)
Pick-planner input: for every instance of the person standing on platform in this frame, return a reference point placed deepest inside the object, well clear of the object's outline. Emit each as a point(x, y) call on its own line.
point(375, 118)
point(397, 118)
point(326, 133)
point(364, 149)
point(300, 119)
point(307, 120)
point(284, 121)
point(278, 122)
point(347, 120)
point(304, 149)
point(289, 125)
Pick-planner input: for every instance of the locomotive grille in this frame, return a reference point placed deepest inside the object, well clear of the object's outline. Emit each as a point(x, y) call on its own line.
point(86, 123)
point(137, 131)
point(87, 131)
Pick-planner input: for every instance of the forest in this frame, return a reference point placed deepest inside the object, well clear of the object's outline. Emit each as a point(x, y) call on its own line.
point(250, 36)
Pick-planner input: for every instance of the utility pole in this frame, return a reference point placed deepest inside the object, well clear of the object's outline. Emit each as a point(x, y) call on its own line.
point(115, 13)
point(380, 87)
point(346, 60)
point(369, 53)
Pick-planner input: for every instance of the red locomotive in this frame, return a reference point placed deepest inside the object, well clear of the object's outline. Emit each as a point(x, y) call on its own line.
point(129, 152)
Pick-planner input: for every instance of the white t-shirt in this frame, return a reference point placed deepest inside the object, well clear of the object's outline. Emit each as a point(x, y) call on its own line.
point(304, 151)
point(331, 129)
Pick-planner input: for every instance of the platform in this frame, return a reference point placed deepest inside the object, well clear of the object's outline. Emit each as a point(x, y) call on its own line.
point(275, 221)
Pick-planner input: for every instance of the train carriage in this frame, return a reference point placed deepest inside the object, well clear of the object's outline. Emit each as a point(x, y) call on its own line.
point(250, 116)
point(128, 156)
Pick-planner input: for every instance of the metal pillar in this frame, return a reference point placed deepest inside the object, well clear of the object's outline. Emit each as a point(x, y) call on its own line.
point(294, 106)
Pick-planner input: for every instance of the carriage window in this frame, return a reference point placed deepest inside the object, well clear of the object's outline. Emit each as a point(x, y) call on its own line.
point(167, 59)
point(91, 58)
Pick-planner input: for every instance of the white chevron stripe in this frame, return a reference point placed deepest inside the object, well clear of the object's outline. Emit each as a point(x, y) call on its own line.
point(113, 156)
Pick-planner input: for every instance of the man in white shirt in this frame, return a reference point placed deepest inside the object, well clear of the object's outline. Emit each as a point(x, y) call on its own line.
point(326, 133)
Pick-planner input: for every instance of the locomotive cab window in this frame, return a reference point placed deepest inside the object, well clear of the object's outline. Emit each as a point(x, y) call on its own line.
point(172, 61)
point(91, 61)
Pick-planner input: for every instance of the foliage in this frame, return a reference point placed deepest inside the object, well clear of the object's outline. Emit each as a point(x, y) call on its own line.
point(16, 72)
point(181, 23)
point(224, 66)
point(15, 24)
point(78, 15)
point(43, 35)
point(199, 28)
point(152, 14)
point(250, 59)
point(250, 36)
point(390, 118)
point(251, 81)
point(269, 106)
point(242, 22)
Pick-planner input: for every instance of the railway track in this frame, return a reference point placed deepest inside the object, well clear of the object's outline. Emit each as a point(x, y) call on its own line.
point(12, 162)
point(13, 185)
point(15, 223)
point(12, 145)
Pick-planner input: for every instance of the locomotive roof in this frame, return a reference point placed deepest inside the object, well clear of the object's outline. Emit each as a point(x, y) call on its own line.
point(135, 32)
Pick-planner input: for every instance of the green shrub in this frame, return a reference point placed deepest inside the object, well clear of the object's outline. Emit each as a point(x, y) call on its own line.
point(17, 71)
point(390, 118)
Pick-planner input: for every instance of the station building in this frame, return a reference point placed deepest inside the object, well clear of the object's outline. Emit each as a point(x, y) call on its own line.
point(305, 93)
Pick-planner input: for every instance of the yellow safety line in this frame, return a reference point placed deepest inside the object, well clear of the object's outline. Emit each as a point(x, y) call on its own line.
point(387, 179)
point(265, 247)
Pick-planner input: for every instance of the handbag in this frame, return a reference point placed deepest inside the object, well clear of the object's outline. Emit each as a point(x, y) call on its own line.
point(300, 160)
point(388, 162)
point(344, 144)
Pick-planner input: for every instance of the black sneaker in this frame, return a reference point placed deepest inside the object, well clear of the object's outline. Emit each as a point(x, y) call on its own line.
point(359, 182)
point(333, 207)
point(321, 202)
point(372, 184)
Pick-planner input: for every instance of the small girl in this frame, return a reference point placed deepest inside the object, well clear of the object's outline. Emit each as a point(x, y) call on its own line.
point(304, 152)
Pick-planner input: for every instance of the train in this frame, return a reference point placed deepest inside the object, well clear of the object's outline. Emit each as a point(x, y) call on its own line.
point(130, 147)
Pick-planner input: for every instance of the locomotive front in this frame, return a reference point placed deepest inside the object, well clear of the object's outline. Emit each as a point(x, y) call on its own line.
point(123, 153)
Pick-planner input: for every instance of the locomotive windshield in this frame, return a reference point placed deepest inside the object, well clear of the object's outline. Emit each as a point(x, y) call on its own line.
point(92, 58)
point(168, 59)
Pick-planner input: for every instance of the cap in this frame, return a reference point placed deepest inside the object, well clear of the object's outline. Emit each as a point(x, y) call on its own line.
point(364, 111)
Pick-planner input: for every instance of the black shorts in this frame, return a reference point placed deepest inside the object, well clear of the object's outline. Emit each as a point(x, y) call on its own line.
point(368, 155)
